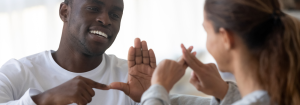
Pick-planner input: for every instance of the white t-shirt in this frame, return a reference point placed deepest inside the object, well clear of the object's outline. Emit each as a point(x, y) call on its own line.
point(21, 79)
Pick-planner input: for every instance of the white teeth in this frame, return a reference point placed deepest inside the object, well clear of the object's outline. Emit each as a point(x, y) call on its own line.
point(99, 33)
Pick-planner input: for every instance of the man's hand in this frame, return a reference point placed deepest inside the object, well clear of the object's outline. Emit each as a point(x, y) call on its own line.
point(78, 90)
point(141, 63)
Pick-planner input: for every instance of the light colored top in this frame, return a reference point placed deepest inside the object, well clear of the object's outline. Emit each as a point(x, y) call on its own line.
point(157, 95)
point(259, 97)
point(21, 79)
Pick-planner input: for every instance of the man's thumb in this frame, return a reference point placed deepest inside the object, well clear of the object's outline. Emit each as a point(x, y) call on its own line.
point(120, 86)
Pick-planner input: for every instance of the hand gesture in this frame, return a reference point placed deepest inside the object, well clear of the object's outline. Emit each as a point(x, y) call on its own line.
point(168, 72)
point(141, 63)
point(78, 90)
point(205, 77)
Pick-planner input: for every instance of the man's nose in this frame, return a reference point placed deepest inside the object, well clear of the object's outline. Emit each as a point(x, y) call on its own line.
point(104, 19)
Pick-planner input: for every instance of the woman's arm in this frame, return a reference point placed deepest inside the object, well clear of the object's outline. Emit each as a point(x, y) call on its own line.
point(158, 95)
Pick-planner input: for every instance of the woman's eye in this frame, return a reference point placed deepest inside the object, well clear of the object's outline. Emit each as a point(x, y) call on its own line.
point(115, 15)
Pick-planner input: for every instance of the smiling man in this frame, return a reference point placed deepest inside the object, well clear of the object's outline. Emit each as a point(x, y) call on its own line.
point(79, 71)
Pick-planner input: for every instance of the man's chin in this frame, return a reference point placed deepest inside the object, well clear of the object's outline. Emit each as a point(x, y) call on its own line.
point(94, 53)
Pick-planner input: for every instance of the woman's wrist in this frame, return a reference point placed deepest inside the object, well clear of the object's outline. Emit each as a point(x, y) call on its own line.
point(166, 86)
point(222, 91)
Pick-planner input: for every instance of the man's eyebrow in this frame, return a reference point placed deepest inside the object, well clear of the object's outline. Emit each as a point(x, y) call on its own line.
point(98, 2)
point(118, 8)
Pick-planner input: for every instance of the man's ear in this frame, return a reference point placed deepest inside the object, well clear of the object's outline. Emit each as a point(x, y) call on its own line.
point(64, 12)
point(228, 38)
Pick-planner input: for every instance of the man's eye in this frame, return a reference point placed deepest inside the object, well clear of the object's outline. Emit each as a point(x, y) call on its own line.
point(93, 9)
point(115, 15)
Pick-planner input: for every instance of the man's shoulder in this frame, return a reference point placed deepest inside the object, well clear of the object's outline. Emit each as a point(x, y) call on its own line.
point(25, 62)
point(38, 57)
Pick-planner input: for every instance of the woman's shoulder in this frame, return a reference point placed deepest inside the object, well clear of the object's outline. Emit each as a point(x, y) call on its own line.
point(259, 97)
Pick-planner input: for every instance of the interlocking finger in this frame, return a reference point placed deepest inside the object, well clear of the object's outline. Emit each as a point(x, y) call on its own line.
point(190, 59)
point(181, 61)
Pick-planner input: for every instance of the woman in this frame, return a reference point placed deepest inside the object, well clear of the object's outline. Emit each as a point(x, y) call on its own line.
point(252, 39)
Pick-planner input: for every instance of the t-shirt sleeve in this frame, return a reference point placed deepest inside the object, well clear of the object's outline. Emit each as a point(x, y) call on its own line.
point(232, 95)
point(9, 92)
point(156, 95)
point(24, 100)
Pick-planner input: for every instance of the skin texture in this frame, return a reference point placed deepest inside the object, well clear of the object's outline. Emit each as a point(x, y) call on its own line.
point(80, 51)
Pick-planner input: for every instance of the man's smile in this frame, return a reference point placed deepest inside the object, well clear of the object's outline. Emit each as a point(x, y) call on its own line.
point(99, 33)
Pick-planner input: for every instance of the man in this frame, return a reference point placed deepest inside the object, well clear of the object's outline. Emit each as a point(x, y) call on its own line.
point(78, 71)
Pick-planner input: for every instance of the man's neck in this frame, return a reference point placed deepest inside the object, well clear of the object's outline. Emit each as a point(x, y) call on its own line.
point(75, 61)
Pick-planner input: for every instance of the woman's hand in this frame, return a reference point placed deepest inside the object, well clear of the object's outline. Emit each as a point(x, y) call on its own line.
point(205, 77)
point(168, 72)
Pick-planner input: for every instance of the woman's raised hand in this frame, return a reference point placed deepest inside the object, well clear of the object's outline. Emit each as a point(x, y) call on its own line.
point(168, 72)
point(205, 77)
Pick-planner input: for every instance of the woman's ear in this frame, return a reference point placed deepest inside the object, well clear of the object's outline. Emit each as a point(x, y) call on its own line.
point(228, 38)
point(64, 12)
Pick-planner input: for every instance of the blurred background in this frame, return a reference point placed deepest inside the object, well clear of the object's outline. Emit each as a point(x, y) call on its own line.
point(31, 26)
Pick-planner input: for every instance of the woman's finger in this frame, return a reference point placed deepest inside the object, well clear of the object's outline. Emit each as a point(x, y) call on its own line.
point(193, 75)
point(189, 60)
point(181, 61)
point(195, 82)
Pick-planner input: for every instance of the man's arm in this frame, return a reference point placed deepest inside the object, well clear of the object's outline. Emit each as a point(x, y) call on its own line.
point(7, 96)
point(10, 94)
point(14, 88)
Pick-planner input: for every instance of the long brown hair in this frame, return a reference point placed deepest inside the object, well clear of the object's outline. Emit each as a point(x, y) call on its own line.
point(271, 35)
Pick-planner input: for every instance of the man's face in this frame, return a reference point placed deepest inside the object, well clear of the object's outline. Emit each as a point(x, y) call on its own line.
point(94, 24)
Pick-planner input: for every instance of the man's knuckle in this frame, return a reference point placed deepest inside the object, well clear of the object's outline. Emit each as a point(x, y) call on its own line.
point(78, 77)
point(93, 93)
